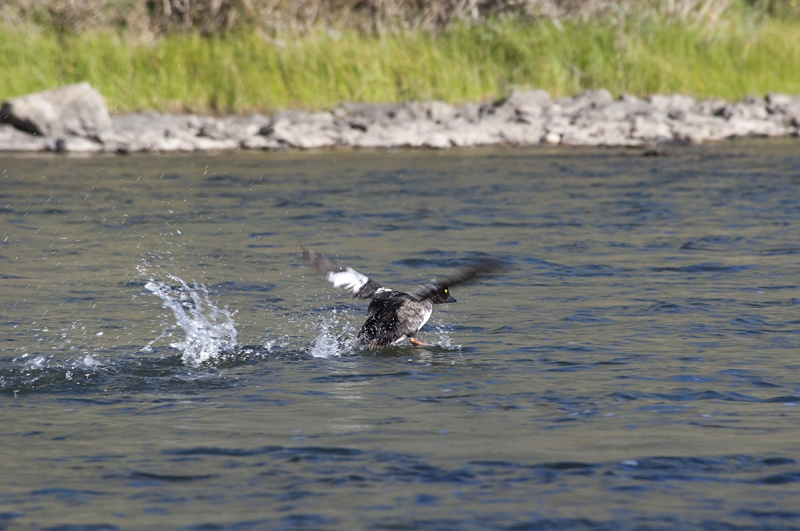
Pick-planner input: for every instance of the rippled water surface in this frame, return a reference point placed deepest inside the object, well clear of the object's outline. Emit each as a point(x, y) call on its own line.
point(168, 361)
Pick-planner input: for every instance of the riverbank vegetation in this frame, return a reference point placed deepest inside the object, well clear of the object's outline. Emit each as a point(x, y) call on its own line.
point(241, 59)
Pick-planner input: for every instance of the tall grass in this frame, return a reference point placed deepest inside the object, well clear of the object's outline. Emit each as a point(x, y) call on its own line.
point(243, 72)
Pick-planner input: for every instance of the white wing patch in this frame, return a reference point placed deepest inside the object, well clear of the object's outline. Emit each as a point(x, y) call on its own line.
point(349, 279)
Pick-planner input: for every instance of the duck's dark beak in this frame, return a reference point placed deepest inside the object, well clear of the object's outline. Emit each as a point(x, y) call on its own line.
point(450, 299)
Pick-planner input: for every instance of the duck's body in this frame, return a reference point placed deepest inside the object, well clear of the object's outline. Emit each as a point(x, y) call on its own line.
point(395, 315)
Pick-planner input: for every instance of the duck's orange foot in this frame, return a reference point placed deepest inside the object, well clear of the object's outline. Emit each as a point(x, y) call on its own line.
point(418, 343)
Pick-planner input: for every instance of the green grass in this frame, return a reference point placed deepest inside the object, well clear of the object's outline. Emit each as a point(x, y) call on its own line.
point(242, 72)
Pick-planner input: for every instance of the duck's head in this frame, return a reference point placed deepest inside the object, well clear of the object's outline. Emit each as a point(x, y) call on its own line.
point(442, 296)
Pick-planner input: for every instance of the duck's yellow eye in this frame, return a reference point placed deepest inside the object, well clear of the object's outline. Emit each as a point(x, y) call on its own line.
point(446, 291)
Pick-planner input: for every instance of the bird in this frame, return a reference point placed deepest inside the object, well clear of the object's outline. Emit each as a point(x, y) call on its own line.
point(393, 316)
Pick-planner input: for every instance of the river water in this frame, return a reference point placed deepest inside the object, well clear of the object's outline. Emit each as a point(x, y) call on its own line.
point(168, 361)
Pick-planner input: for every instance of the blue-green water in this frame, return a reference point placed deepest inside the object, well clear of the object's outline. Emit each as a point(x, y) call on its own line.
point(168, 361)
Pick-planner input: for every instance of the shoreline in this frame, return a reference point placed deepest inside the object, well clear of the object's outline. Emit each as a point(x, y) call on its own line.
point(75, 119)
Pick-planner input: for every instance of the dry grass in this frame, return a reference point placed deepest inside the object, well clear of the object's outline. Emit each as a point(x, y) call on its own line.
point(277, 17)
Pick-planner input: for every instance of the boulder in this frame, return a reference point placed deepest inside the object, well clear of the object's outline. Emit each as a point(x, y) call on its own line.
point(710, 107)
point(650, 129)
point(435, 111)
point(74, 144)
point(621, 110)
point(523, 133)
point(262, 142)
point(588, 99)
point(243, 128)
point(362, 116)
point(151, 131)
point(465, 133)
point(676, 106)
point(529, 104)
point(12, 139)
point(307, 131)
point(470, 112)
point(784, 109)
point(752, 108)
point(490, 114)
point(699, 128)
point(74, 110)
point(156, 132)
point(609, 133)
point(415, 134)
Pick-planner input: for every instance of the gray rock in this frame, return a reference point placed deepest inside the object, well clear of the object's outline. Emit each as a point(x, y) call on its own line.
point(200, 143)
point(262, 142)
point(752, 108)
point(156, 132)
point(556, 128)
point(552, 138)
point(310, 131)
point(523, 133)
point(494, 113)
point(151, 131)
point(470, 112)
point(754, 127)
point(651, 129)
point(212, 129)
point(610, 133)
point(437, 141)
point(699, 128)
point(77, 110)
point(242, 128)
point(675, 106)
point(591, 118)
point(464, 133)
point(710, 107)
point(592, 99)
point(12, 139)
point(435, 111)
point(530, 104)
point(362, 116)
point(74, 144)
point(784, 109)
point(778, 103)
point(791, 116)
point(624, 109)
point(414, 134)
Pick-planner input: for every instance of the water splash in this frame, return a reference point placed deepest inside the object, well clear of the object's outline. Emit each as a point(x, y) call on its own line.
point(331, 344)
point(210, 330)
point(326, 345)
point(338, 337)
point(444, 338)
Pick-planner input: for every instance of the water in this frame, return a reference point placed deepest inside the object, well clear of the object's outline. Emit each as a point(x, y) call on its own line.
point(169, 362)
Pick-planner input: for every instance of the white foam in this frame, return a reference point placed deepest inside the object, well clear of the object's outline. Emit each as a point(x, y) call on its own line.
point(36, 363)
point(90, 362)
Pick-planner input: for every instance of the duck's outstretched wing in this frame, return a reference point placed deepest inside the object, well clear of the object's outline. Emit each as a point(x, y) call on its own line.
point(479, 268)
point(345, 277)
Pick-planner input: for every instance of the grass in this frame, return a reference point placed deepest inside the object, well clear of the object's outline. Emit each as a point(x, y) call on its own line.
point(243, 72)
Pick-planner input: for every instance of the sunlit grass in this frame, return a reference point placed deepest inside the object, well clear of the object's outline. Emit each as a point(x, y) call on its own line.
point(243, 72)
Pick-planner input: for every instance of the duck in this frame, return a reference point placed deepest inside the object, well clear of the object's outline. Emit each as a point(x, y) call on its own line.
point(392, 315)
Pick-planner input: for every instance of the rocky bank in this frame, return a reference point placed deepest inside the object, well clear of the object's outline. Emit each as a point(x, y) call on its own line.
point(75, 119)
